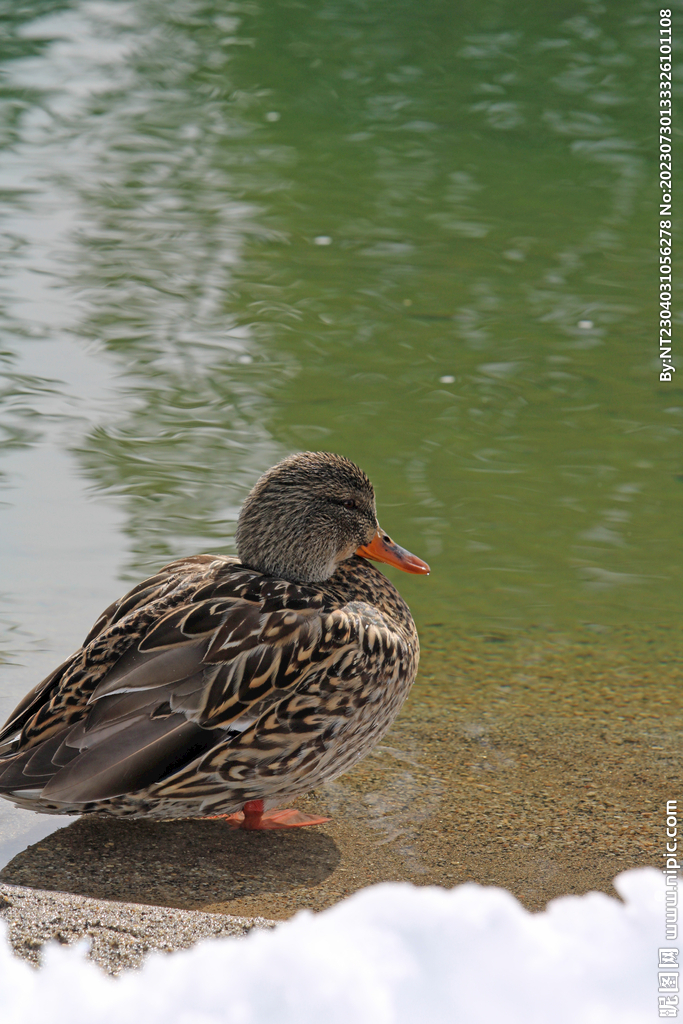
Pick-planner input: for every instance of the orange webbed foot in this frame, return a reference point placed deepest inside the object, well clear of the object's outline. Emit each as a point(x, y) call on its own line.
point(253, 817)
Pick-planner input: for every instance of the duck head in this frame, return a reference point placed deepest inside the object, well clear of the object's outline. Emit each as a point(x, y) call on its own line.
point(308, 514)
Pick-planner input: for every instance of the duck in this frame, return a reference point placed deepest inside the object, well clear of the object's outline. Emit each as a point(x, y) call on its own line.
point(228, 686)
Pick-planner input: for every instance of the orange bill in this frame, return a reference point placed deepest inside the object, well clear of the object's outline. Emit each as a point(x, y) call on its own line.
point(382, 549)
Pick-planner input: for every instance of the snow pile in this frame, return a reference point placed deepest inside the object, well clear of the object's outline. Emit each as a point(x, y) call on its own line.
point(392, 954)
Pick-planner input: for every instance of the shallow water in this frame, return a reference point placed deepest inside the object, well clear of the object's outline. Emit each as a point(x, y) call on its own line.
point(419, 236)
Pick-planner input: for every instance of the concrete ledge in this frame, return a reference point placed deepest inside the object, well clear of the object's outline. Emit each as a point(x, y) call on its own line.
point(121, 934)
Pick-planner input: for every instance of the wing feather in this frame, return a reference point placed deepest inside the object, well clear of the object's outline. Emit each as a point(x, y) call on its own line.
point(130, 760)
point(136, 671)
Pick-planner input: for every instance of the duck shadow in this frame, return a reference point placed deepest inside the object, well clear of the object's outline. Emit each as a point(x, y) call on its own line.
point(189, 863)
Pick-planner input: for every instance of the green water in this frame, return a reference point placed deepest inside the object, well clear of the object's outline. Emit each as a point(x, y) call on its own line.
point(419, 234)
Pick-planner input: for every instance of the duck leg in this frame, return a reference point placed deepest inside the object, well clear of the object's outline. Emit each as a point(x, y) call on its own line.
point(252, 817)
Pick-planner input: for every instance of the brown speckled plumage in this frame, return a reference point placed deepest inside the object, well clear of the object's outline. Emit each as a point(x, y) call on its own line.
point(215, 682)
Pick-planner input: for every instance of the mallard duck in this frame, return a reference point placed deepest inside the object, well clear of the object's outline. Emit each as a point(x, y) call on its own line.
point(223, 686)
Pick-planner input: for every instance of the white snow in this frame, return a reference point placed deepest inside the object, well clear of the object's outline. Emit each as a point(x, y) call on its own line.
point(391, 954)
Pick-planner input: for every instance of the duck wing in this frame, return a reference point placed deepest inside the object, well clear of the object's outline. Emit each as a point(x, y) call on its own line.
point(79, 667)
point(187, 666)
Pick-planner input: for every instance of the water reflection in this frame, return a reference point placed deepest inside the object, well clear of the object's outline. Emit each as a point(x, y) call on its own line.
point(145, 260)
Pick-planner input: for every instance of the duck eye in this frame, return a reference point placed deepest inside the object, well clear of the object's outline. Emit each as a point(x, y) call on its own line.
point(350, 504)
